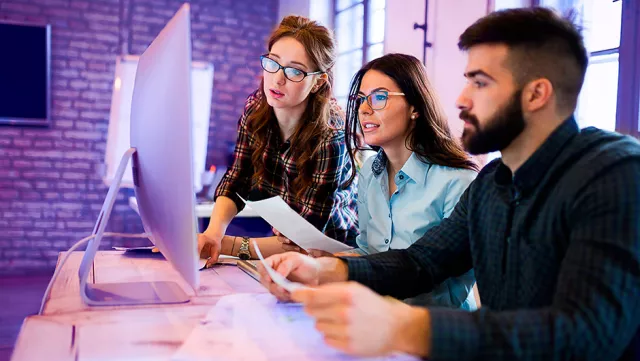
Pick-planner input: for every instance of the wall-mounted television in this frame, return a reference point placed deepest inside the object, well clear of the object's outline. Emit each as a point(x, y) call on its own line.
point(25, 74)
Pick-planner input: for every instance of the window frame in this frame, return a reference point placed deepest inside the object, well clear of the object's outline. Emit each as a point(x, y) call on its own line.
point(627, 109)
point(365, 25)
point(364, 49)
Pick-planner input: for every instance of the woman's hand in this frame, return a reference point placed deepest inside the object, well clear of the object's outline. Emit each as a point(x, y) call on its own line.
point(209, 245)
point(289, 246)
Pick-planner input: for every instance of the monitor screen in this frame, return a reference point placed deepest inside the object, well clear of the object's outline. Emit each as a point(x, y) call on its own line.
point(24, 74)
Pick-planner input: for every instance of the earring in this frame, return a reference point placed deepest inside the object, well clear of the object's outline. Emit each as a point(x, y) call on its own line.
point(414, 116)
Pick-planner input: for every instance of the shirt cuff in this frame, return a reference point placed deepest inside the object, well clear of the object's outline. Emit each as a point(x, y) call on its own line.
point(360, 251)
point(454, 335)
point(359, 269)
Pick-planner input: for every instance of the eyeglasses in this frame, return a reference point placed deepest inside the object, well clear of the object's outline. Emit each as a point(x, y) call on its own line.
point(294, 74)
point(377, 100)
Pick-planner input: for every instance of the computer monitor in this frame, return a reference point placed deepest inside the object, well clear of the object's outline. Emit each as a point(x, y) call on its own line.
point(161, 157)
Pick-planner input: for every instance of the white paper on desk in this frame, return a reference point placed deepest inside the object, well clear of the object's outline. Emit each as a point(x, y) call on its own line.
point(256, 327)
point(288, 222)
point(134, 249)
point(279, 279)
point(222, 260)
point(214, 343)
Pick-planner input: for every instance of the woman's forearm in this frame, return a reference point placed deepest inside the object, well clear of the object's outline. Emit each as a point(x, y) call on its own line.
point(223, 212)
point(268, 246)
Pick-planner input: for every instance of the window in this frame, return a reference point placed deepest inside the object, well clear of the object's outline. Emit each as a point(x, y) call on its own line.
point(601, 21)
point(509, 4)
point(359, 29)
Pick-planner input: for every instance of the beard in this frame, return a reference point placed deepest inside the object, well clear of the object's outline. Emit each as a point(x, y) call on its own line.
point(499, 131)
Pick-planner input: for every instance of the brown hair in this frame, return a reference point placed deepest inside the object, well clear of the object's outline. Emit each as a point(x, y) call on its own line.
point(430, 138)
point(314, 126)
point(541, 45)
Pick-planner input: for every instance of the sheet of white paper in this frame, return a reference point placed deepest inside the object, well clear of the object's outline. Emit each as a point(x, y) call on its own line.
point(256, 327)
point(281, 217)
point(279, 279)
point(207, 343)
point(223, 259)
point(134, 249)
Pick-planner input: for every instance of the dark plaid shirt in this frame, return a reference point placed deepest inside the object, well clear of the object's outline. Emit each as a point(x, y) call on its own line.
point(555, 249)
point(326, 203)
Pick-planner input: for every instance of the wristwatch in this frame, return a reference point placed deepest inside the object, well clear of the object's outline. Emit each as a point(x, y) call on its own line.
point(244, 253)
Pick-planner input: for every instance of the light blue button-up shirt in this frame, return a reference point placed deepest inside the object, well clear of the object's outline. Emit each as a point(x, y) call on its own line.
point(426, 194)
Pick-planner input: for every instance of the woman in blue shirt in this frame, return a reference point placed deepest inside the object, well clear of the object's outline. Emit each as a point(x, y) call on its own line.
point(419, 172)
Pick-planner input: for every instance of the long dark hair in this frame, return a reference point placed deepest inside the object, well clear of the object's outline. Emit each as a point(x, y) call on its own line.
point(319, 116)
point(430, 138)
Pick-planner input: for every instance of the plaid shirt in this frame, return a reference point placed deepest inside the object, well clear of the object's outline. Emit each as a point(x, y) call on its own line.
point(555, 249)
point(326, 203)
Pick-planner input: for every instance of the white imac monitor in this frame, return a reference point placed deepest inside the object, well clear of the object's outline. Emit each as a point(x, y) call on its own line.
point(162, 166)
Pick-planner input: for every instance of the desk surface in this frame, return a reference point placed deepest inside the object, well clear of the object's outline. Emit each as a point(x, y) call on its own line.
point(203, 210)
point(231, 318)
point(70, 330)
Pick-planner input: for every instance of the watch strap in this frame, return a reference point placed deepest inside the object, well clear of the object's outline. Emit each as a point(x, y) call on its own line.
point(244, 253)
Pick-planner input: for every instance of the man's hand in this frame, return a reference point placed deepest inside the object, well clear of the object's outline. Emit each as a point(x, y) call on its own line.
point(357, 321)
point(294, 266)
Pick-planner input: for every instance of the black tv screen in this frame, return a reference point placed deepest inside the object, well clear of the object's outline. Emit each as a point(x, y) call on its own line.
point(25, 74)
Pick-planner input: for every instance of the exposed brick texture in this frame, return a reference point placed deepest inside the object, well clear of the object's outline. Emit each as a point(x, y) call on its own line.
point(50, 182)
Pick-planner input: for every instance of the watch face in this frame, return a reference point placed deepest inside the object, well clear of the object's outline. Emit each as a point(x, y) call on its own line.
point(244, 256)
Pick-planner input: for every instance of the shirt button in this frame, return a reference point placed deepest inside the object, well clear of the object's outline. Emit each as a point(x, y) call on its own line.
point(389, 215)
point(386, 241)
point(401, 177)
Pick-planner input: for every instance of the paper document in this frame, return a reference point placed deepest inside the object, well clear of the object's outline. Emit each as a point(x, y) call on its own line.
point(279, 279)
point(257, 327)
point(288, 222)
point(145, 249)
point(222, 260)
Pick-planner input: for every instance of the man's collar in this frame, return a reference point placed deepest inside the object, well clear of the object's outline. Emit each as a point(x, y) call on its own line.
point(534, 168)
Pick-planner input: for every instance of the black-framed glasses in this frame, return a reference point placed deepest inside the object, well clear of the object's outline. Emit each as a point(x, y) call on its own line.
point(294, 74)
point(377, 99)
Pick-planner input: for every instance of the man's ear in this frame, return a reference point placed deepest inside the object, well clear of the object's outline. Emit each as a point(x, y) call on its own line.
point(537, 94)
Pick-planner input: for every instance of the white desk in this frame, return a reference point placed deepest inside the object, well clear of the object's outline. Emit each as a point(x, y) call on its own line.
point(70, 330)
point(203, 210)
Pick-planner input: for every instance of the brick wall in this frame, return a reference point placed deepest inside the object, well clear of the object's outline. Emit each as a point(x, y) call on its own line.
point(50, 178)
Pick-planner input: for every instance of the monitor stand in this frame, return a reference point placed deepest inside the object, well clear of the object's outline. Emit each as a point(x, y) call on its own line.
point(130, 293)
